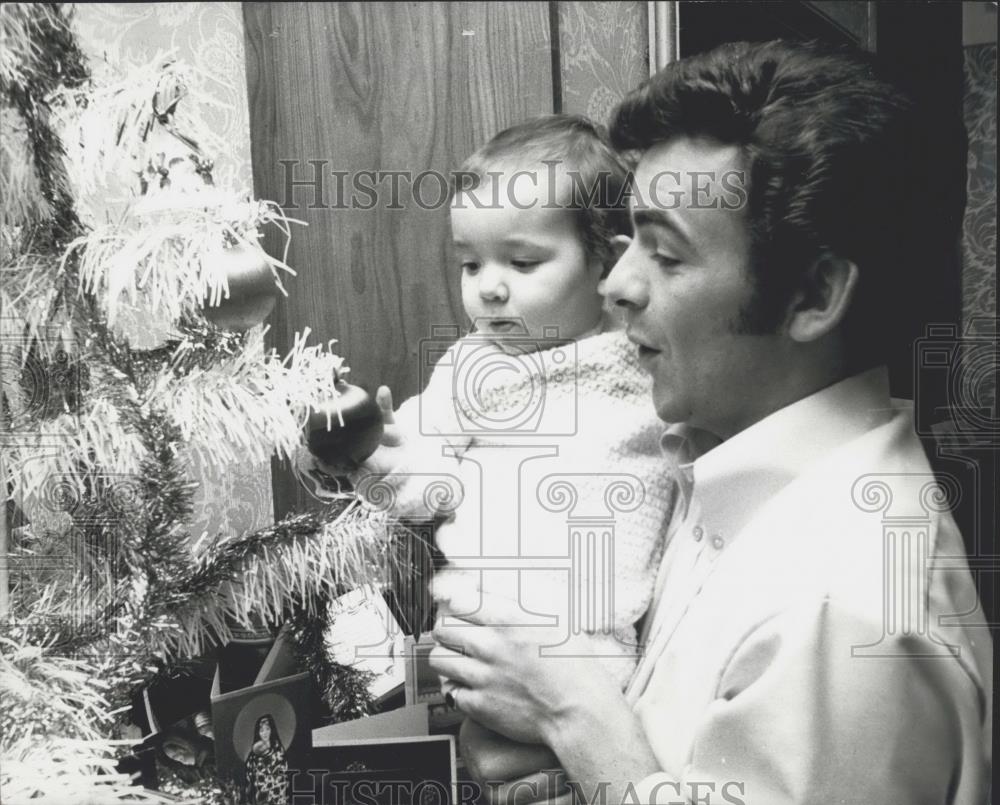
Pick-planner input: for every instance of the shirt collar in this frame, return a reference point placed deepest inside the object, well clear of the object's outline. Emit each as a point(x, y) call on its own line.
point(681, 444)
point(731, 480)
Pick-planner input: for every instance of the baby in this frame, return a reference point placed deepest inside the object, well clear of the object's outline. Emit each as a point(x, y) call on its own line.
point(534, 442)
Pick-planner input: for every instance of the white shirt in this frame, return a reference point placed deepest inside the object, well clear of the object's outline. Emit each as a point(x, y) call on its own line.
point(800, 648)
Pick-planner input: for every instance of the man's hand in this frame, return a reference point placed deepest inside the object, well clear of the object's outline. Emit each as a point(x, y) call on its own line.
point(570, 704)
point(511, 773)
point(504, 681)
point(490, 757)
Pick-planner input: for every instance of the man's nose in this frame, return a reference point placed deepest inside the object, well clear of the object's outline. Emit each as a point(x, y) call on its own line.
point(625, 286)
point(492, 284)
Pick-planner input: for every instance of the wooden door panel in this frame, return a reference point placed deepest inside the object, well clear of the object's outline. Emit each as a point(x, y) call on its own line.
point(379, 87)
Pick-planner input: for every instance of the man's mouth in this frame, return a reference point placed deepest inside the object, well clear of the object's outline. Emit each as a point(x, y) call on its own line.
point(645, 351)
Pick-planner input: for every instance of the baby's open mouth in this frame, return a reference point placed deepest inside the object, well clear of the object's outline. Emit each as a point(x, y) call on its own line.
point(504, 325)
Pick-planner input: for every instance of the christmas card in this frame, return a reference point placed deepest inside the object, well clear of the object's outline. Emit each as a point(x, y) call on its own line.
point(263, 729)
point(418, 770)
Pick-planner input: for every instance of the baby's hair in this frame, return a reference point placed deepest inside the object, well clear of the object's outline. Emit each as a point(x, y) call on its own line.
point(599, 178)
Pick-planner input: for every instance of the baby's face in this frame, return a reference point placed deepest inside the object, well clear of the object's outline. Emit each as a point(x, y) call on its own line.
point(524, 266)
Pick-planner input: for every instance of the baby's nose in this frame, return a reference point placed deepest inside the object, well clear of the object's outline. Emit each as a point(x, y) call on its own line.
point(492, 284)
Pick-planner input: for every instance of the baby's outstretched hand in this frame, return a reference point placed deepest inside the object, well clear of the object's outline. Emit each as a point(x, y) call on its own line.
point(391, 437)
point(387, 456)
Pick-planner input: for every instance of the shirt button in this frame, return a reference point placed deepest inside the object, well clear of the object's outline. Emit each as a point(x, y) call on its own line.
point(697, 532)
point(718, 542)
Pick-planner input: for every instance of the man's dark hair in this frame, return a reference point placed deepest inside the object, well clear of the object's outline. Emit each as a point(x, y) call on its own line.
point(598, 176)
point(824, 144)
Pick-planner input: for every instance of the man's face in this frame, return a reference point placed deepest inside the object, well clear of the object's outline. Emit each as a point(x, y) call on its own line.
point(685, 286)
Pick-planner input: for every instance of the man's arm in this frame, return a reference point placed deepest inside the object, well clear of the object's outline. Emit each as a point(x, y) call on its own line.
point(797, 719)
point(800, 718)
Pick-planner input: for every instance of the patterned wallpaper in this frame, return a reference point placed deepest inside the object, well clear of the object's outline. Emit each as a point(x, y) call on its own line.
point(603, 54)
point(210, 37)
point(979, 241)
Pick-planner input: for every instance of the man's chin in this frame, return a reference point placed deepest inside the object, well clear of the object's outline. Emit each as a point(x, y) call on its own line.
point(669, 411)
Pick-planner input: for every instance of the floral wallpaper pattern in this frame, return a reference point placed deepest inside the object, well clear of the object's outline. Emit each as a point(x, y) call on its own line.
point(979, 241)
point(208, 36)
point(603, 54)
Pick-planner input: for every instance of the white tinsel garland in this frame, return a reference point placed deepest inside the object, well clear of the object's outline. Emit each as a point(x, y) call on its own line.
point(162, 253)
point(280, 572)
point(252, 405)
point(72, 449)
point(112, 131)
point(53, 727)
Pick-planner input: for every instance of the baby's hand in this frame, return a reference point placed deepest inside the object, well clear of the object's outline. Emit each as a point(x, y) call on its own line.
point(387, 456)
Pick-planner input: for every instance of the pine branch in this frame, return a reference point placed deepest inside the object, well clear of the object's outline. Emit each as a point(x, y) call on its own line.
point(41, 57)
point(295, 564)
point(344, 690)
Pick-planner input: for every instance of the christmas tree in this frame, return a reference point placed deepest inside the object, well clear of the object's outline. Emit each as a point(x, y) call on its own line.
point(102, 587)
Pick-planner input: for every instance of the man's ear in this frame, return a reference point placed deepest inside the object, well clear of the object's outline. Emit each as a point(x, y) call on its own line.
point(827, 292)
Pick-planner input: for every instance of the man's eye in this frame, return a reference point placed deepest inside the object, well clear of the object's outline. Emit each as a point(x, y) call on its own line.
point(470, 267)
point(666, 261)
point(522, 264)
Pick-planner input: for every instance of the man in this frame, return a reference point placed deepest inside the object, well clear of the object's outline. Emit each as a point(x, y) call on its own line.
point(801, 648)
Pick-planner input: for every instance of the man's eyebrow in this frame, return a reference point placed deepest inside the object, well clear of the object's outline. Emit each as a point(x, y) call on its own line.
point(660, 218)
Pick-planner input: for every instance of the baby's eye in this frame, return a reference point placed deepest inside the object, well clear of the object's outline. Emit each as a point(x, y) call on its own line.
point(470, 267)
point(522, 264)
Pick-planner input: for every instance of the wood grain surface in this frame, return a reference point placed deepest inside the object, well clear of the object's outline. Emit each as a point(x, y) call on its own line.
point(379, 87)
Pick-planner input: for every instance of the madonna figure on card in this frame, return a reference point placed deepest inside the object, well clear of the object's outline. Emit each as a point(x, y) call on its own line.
point(266, 767)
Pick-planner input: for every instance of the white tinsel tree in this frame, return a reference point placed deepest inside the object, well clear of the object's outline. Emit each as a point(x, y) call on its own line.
point(103, 588)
